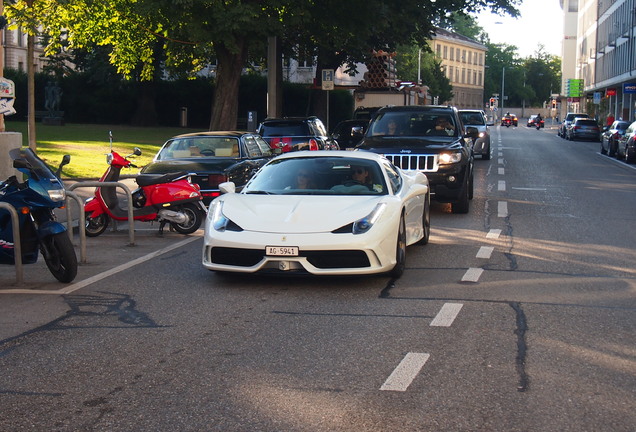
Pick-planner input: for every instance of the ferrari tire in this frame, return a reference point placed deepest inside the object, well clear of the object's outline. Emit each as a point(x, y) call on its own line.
point(60, 257)
point(194, 221)
point(95, 226)
point(400, 251)
point(426, 222)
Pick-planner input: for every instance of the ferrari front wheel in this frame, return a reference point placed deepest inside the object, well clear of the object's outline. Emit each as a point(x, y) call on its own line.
point(400, 251)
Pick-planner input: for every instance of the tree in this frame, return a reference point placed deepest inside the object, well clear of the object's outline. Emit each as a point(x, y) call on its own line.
point(194, 32)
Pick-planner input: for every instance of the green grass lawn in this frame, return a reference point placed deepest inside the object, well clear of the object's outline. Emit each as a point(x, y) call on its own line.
point(88, 145)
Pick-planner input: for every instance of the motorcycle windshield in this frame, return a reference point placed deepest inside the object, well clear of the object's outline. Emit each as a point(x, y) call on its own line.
point(37, 164)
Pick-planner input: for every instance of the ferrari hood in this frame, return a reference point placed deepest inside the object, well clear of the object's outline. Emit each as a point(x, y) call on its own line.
point(293, 214)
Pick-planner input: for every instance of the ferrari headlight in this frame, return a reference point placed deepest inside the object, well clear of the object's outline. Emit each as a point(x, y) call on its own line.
point(363, 225)
point(482, 134)
point(216, 217)
point(449, 158)
point(57, 194)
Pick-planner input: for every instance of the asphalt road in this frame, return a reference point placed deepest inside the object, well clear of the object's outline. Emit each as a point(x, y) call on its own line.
point(519, 316)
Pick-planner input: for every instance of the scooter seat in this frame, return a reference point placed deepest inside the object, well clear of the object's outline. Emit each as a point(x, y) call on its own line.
point(151, 179)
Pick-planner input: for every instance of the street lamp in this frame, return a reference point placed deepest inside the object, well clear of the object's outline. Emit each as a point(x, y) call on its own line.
point(503, 79)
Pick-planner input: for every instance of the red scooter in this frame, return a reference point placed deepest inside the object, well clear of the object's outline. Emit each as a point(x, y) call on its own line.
point(168, 198)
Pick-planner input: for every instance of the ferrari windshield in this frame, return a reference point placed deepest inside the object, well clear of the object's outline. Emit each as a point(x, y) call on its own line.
point(318, 176)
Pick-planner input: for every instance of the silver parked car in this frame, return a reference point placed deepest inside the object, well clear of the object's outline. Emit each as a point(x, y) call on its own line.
point(477, 119)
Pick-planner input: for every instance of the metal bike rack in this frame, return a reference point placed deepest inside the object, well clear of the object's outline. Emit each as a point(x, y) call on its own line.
point(17, 244)
point(82, 222)
point(131, 217)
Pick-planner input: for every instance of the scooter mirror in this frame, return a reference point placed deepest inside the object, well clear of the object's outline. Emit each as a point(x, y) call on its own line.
point(137, 151)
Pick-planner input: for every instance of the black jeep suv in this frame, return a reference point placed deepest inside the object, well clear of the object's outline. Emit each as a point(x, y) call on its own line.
point(431, 139)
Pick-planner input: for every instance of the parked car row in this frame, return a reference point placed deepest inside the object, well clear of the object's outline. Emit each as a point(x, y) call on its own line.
point(619, 140)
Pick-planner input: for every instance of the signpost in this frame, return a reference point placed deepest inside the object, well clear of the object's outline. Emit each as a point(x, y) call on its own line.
point(327, 84)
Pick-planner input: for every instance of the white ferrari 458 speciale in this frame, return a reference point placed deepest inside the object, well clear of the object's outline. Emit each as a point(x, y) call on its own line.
point(321, 212)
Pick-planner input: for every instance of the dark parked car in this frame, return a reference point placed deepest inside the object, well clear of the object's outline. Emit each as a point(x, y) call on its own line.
point(583, 128)
point(611, 136)
point(430, 139)
point(297, 133)
point(567, 121)
point(477, 119)
point(349, 132)
point(627, 145)
point(213, 157)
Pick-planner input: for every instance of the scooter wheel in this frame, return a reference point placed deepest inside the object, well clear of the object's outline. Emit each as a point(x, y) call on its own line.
point(195, 219)
point(59, 256)
point(96, 225)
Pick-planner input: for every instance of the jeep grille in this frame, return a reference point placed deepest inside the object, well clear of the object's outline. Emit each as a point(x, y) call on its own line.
point(424, 163)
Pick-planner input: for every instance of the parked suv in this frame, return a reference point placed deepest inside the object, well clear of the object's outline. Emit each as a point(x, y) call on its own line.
point(567, 121)
point(430, 139)
point(583, 128)
point(296, 133)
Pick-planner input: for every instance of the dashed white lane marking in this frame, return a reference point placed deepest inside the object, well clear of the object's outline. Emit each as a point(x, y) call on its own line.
point(485, 252)
point(500, 161)
point(493, 234)
point(501, 185)
point(405, 372)
point(472, 274)
point(446, 315)
point(502, 209)
point(501, 171)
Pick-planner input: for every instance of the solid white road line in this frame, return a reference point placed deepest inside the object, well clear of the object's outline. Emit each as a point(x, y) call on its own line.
point(485, 252)
point(493, 234)
point(74, 287)
point(446, 315)
point(502, 209)
point(472, 274)
point(405, 372)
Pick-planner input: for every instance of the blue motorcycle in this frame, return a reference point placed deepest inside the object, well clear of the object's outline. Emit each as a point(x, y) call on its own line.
point(35, 199)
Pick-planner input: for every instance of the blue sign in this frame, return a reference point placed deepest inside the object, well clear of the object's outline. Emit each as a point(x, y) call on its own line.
point(629, 88)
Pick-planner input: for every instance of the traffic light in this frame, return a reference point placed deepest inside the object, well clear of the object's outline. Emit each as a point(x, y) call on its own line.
point(492, 103)
point(554, 103)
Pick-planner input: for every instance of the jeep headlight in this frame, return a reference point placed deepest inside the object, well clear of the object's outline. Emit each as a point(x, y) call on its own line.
point(449, 158)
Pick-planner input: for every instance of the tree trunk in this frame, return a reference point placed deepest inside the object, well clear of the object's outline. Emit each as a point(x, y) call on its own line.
point(146, 112)
point(228, 75)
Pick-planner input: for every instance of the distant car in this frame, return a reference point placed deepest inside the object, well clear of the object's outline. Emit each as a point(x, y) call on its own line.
point(340, 225)
point(583, 128)
point(627, 145)
point(477, 119)
point(213, 157)
point(567, 121)
point(348, 133)
point(509, 120)
point(296, 133)
point(611, 136)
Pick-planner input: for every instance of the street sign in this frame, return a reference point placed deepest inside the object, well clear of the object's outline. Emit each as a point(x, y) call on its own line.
point(327, 79)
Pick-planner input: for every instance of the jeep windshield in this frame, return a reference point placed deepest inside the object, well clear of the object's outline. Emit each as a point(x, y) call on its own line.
point(413, 124)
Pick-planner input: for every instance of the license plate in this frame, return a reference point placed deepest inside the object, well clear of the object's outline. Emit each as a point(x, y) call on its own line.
point(281, 250)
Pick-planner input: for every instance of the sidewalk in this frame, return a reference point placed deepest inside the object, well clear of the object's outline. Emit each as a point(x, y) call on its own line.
point(103, 253)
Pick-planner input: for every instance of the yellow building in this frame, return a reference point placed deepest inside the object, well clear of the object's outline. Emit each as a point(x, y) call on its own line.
point(463, 63)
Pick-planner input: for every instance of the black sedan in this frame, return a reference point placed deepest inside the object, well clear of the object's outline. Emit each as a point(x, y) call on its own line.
point(213, 158)
point(348, 133)
point(611, 136)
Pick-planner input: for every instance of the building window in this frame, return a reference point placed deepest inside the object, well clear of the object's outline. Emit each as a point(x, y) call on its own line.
point(470, 57)
point(450, 73)
point(452, 53)
point(438, 50)
point(445, 52)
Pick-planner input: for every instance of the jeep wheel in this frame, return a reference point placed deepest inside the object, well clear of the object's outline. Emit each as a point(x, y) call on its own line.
point(461, 205)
